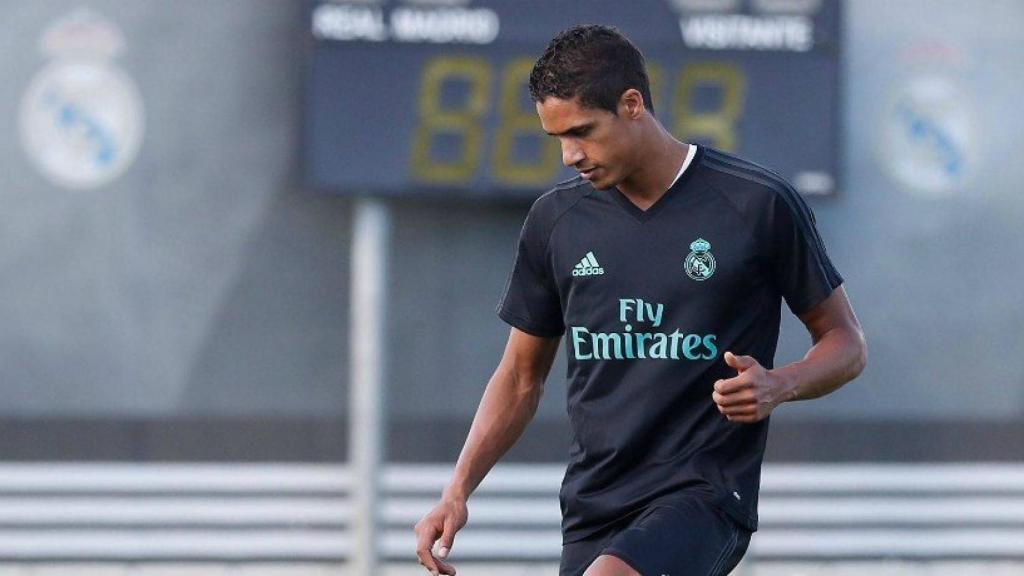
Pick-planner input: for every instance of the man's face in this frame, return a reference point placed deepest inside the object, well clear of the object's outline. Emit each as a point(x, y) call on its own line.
point(594, 141)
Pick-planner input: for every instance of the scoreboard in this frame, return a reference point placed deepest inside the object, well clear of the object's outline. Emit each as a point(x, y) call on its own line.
point(430, 97)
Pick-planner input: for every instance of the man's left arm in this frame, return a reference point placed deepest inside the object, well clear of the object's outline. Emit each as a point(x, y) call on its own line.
point(838, 355)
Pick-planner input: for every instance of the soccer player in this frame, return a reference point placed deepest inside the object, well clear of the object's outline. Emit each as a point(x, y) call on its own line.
point(664, 265)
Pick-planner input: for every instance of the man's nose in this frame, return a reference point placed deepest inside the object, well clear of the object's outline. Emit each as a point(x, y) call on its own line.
point(571, 154)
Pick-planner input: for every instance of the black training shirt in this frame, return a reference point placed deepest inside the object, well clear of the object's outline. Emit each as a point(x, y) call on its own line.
point(648, 302)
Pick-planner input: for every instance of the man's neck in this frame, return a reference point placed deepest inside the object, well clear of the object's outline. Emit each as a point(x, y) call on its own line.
point(645, 186)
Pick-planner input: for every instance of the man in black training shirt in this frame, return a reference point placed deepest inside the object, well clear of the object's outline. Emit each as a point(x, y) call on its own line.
point(663, 265)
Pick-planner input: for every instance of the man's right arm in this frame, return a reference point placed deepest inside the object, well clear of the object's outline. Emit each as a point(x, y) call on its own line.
point(508, 404)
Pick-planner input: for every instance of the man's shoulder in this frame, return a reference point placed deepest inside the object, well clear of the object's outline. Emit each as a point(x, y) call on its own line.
point(730, 173)
point(558, 200)
point(762, 196)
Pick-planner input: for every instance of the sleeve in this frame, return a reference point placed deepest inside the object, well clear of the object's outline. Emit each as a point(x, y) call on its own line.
point(530, 300)
point(800, 268)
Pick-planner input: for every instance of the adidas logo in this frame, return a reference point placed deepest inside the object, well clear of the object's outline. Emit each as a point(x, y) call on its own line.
point(588, 266)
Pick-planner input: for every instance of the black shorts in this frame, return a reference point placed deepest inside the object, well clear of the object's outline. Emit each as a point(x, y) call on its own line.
point(688, 536)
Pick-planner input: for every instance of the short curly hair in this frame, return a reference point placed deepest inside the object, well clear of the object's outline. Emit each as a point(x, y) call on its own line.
point(593, 62)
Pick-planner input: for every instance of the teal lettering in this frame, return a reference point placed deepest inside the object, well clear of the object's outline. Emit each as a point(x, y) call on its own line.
point(709, 343)
point(629, 344)
point(689, 343)
point(577, 340)
point(654, 313)
point(640, 343)
point(624, 308)
point(641, 311)
point(674, 348)
point(602, 343)
point(660, 342)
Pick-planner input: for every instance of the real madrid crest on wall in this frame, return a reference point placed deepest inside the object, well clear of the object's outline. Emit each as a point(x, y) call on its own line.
point(699, 263)
point(81, 117)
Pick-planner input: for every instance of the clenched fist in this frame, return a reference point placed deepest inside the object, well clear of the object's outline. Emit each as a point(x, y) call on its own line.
point(752, 394)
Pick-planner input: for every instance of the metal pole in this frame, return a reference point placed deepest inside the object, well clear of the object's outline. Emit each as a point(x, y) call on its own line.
point(372, 223)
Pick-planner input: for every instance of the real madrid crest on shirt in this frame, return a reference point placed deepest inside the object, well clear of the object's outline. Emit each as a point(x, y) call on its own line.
point(699, 263)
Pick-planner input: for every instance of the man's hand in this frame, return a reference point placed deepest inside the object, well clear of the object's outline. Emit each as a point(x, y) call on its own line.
point(752, 394)
point(447, 518)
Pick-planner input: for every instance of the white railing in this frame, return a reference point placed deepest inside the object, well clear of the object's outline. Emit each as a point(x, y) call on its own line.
point(247, 512)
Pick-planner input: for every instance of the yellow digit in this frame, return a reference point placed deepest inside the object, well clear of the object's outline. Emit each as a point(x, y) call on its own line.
point(464, 121)
point(517, 122)
point(720, 124)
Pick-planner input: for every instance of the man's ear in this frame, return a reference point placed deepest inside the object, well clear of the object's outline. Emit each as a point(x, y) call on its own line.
point(631, 104)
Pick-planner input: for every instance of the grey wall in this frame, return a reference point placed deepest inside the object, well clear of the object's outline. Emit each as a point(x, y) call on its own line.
point(203, 280)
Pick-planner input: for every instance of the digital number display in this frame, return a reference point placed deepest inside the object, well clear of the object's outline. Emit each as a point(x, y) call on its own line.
point(393, 110)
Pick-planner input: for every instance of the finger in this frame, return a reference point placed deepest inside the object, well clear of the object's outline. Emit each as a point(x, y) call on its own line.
point(445, 567)
point(740, 363)
point(448, 537)
point(742, 419)
point(740, 414)
point(425, 537)
point(732, 385)
point(744, 410)
point(741, 398)
point(440, 566)
point(427, 560)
